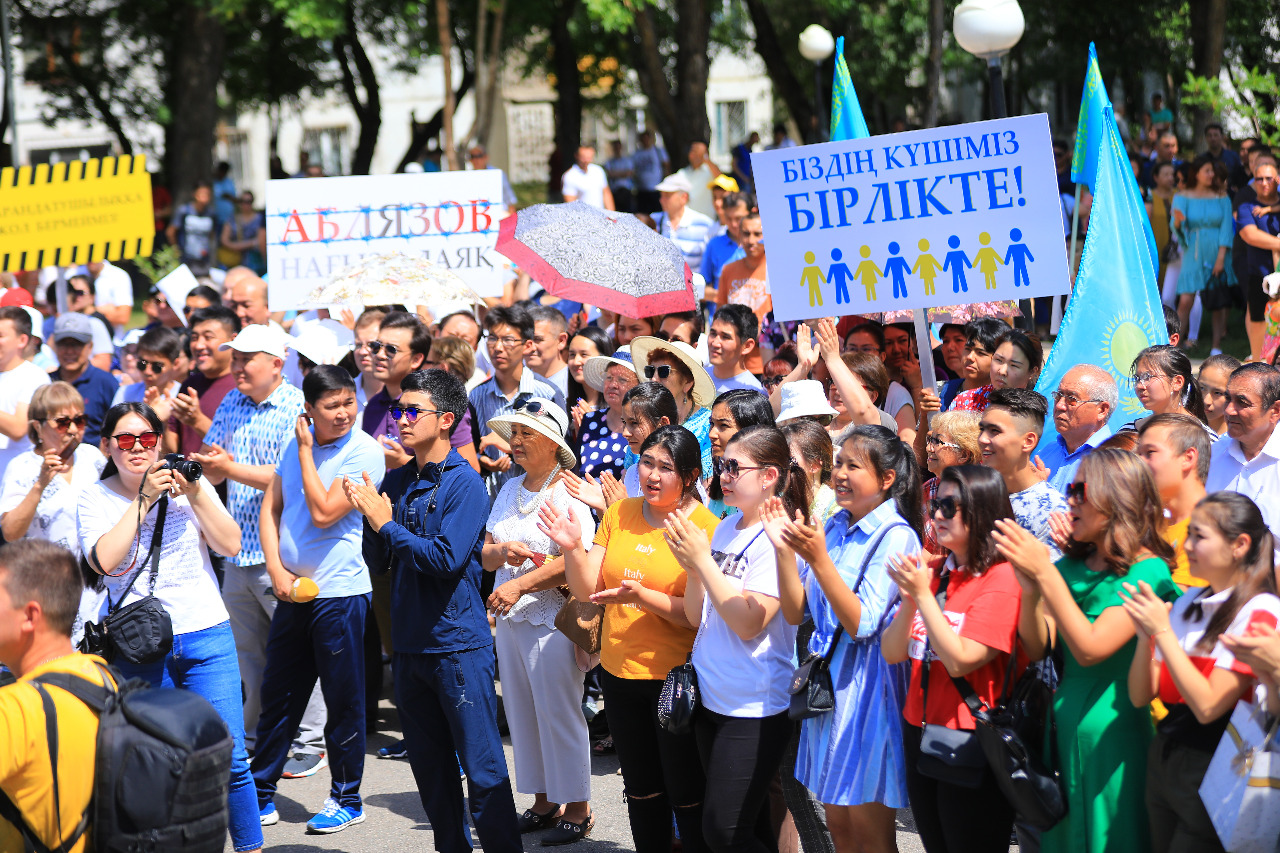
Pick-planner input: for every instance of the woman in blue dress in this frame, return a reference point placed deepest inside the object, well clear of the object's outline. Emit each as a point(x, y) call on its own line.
point(1203, 224)
point(852, 757)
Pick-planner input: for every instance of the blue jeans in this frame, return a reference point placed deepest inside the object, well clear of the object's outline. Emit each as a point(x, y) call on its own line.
point(204, 662)
point(322, 638)
point(448, 705)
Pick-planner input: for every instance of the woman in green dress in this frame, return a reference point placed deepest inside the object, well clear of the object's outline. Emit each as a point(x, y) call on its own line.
point(1102, 739)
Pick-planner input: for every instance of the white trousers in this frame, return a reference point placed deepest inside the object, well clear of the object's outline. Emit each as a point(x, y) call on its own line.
point(542, 695)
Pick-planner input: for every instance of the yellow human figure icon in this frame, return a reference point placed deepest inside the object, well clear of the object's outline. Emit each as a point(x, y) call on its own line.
point(868, 272)
point(987, 260)
point(927, 267)
point(812, 276)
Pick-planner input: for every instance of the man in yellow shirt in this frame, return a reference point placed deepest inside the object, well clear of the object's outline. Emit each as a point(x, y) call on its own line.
point(40, 589)
point(1176, 449)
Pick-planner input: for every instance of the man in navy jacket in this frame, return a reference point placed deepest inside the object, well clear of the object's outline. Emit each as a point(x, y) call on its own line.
point(428, 527)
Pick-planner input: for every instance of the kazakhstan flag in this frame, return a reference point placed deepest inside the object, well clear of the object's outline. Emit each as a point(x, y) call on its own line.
point(846, 113)
point(1089, 128)
point(1114, 312)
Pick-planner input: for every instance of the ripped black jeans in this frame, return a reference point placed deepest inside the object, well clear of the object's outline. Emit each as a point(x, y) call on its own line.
point(661, 772)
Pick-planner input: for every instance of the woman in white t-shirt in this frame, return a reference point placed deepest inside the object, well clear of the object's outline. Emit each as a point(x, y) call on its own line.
point(742, 652)
point(117, 517)
point(41, 488)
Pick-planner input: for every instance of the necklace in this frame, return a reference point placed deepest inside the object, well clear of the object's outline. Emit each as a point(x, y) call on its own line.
point(525, 509)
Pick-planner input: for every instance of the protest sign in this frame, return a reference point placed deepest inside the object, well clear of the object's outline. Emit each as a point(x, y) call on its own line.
point(317, 227)
point(72, 213)
point(945, 216)
point(175, 287)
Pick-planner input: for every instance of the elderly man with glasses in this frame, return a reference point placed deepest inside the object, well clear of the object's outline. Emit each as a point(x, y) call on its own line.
point(1082, 405)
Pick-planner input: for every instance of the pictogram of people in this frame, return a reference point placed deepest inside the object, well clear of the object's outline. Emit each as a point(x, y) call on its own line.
point(1017, 257)
point(812, 276)
point(956, 261)
point(987, 261)
point(868, 273)
point(927, 267)
point(897, 269)
point(840, 275)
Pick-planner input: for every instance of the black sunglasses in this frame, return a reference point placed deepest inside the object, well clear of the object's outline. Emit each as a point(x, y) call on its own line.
point(948, 506)
point(731, 468)
point(1076, 493)
point(376, 347)
point(64, 423)
point(529, 405)
point(73, 292)
point(662, 371)
point(145, 366)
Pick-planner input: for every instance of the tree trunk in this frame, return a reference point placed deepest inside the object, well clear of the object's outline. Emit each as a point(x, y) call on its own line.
point(446, 57)
point(423, 132)
point(192, 96)
point(484, 120)
point(478, 57)
point(568, 83)
point(933, 70)
point(786, 87)
point(350, 53)
point(1208, 30)
point(679, 107)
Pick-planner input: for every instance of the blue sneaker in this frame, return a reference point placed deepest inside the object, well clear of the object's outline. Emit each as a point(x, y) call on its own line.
point(334, 818)
point(268, 815)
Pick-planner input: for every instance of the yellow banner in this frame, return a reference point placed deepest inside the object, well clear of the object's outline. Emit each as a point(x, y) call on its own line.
point(73, 213)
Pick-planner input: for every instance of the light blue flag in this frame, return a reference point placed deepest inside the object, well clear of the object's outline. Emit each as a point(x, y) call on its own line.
point(1089, 127)
point(1114, 312)
point(847, 121)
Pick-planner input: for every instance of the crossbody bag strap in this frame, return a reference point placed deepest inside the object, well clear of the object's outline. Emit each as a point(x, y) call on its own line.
point(857, 584)
point(153, 558)
point(925, 665)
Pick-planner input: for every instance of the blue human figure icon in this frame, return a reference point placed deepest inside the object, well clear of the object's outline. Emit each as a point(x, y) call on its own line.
point(956, 261)
point(1017, 257)
point(812, 276)
point(840, 275)
point(897, 268)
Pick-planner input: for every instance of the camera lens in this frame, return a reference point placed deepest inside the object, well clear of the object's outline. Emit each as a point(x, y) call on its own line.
point(189, 469)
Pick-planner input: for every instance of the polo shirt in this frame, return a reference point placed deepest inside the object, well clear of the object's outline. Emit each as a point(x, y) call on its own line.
point(488, 401)
point(1063, 463)
point(98, 389)
point(254, 434)
point(586, 185)
point(690, 235)
point(1257, 479)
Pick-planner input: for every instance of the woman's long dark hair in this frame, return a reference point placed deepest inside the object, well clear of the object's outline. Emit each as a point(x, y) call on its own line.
point(881, 448)
point(984, 499)
point(1235, 515)
point(685, 453)
point(604, 346)
point(749, 408)
point(1172, 361)
point(112, 418)
point(767, 446)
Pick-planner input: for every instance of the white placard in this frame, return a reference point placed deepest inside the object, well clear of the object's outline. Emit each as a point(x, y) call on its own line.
point(317, 227)
point(945, 216)
point(175, 286)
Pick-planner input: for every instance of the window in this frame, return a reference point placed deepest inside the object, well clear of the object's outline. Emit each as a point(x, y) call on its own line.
point(329, 147)
point(730, 126)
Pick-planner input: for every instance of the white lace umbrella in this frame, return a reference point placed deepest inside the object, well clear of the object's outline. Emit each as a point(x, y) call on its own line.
point(394, 279)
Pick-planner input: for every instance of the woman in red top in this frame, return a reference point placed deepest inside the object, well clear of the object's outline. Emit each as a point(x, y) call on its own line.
point(970, 634)
point(1180, 658)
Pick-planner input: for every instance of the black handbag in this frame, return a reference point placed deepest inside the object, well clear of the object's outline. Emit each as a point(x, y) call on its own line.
point(678, 700)
point(1217, 293)
point(141, 633)
point(810, 686)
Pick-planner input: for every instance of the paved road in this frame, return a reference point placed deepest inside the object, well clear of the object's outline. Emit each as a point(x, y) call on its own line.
point(395, 820)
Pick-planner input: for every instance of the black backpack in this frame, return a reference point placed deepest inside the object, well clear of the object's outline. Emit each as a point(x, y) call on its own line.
point(162, 772)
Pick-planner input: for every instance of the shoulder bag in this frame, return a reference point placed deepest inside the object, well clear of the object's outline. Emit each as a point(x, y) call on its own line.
point(810, 688)
point(1241, 788)
point(142, 632)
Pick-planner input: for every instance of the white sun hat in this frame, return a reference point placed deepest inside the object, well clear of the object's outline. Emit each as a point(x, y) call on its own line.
point(593, 371)
point(324, 342)
point(643, 347)
point(804, 398)
point(541, 416)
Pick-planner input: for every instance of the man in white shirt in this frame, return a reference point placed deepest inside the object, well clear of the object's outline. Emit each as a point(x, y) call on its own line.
point(113, 292)
point(699, 174)
point(680, 223)
point(550, 337)
point(586, 182)
point(1247, 458)
point(19, 379)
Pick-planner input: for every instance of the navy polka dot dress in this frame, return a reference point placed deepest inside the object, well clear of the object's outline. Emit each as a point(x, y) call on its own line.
point(600, 448)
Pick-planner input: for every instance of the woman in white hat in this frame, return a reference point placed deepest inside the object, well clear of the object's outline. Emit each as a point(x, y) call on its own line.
point(541, 681)
point(676, 366)
point(600, 444)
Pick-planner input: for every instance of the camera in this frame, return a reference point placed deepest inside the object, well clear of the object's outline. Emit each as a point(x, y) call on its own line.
point(190, 470)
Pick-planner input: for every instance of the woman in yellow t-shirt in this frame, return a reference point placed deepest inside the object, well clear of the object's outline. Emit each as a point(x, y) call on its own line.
point(632, 572)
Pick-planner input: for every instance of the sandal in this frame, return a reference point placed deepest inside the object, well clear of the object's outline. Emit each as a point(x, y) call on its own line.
point(567, 833)
point(531, 821)
point(604, 746)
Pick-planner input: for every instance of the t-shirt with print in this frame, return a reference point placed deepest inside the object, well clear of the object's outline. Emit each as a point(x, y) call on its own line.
point(330, 556)
point(195, 235)
point(1031, 509)
point(637, 643)
point(983, 609)
point(744, 678)
point(16, 387)
point(1176, 535)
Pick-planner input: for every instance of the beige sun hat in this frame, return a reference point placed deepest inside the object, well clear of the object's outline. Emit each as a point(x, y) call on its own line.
point(704, 389)
point(593, 371)
point(548, 419)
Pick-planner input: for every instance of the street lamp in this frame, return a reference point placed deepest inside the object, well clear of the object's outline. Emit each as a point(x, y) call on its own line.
point(989, 29)
point(816, 45)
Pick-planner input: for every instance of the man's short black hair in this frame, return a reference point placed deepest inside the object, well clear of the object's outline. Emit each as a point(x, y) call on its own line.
point(163, 340)
point(420, 343)
point(444, 321)
point(1267, 377)
point(217, 314)
point(514, 316)
point(744, 321)
point(325, 379)
point(1213, 125)
point(985, 331)
point(1023, 403)
point(547, 314)
point(21, 319)
point(446, 391)
point(1172, 325)
point(204, 291)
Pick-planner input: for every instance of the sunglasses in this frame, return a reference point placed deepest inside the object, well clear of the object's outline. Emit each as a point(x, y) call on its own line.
point(948, 506)
point(145, 366)
point(731, 469)
point(64, 423)
point(662, 371)
point(1076, 493)
point(933, 441)
point(126, 440)
point(529, 405)
point(411, 412)
point(376, 347)
point(770, 381)
point(76, 294)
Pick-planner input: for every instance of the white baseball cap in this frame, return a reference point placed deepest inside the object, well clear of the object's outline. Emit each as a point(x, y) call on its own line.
point(259, 338)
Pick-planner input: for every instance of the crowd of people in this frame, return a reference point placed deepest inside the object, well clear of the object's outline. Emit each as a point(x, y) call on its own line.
point(732, 493)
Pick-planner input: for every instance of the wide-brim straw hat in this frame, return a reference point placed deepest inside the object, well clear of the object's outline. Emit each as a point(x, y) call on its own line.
point(550, 421)
point(704, 389)
point(593, 371)
point(804, 398)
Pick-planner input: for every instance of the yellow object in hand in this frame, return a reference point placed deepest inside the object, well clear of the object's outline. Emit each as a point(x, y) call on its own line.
point(304, 590)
